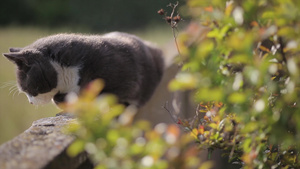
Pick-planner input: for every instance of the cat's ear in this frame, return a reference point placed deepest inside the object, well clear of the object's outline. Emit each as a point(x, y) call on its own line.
point(15, 49)
point(16, 57)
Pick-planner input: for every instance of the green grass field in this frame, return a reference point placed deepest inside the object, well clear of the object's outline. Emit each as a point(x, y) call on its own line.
point(16, 114)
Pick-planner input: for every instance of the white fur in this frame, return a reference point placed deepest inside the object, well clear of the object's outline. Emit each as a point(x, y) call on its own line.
point(67, 82)
point(42, 98)
point(68, 78)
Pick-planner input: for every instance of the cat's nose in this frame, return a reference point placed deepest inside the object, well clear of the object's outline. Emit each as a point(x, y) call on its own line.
point(29, 98)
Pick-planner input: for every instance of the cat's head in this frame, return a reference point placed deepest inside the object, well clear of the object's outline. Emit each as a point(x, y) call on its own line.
point(36, 77)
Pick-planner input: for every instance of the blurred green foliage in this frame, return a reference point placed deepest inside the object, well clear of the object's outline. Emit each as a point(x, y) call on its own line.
point(105, 129)
point(245, 77)
point(95, 15)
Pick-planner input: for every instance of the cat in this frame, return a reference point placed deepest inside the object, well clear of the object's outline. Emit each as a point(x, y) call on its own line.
point(54, 66)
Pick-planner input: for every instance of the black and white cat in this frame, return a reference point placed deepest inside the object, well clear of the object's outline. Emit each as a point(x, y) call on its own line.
point(54, 66)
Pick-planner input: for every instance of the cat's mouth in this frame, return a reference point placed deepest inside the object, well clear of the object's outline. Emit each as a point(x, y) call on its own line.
point(41, 99)
point(56, 97)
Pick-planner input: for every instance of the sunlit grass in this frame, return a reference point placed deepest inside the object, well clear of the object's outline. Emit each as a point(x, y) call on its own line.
point(16, 114)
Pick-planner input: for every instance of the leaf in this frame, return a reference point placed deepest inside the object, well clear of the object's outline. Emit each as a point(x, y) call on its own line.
point(209, 9)
point(194, 133)
point(209, 94)
point(93, 89)
point(183, 81)
point(213, 125)
point(75, 148)
point(250, 127)
point(201, 129)
point(173, 130)
point(237, 98)
point(269, 15)
point(287, 31)
point(136, 149)
point(213, 33)
point(241, 41)
point(197, 3)
point(204, 49)
point(246, 145)
point(229, 9)
point(206, 165)
point(239, 58)
point(73, 126)
point(112, 135)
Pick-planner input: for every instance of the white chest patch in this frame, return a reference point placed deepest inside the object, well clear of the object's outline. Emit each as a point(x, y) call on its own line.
point(67, 82)
point(67, 78)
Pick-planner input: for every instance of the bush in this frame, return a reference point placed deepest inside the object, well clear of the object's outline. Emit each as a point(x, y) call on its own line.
point(105, 130)
point(245, 78)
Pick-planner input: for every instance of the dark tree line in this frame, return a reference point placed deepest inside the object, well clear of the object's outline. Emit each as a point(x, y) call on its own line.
point(94, 14)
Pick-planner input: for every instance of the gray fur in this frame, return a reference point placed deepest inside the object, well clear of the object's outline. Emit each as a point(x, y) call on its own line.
point(130, 67)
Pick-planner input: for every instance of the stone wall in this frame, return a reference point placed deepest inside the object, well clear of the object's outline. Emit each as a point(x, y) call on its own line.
point(42, 146)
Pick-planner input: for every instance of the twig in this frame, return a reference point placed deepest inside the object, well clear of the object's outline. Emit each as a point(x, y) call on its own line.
point(234, 143)
point(282, 49)
point(174, 24)
point(173, 6)
point(175, 39)
point(174, 118)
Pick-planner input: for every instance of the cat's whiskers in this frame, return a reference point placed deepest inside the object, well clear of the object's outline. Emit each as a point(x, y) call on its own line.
point(12, 87)
point(7, 84)
point(16, 90)
point(13, 90)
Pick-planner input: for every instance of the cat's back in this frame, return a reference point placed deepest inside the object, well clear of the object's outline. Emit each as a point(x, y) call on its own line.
point(65, 38)
point(81, 45)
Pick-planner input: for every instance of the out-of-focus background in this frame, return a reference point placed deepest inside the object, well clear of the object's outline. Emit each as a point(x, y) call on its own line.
point(24, 21)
